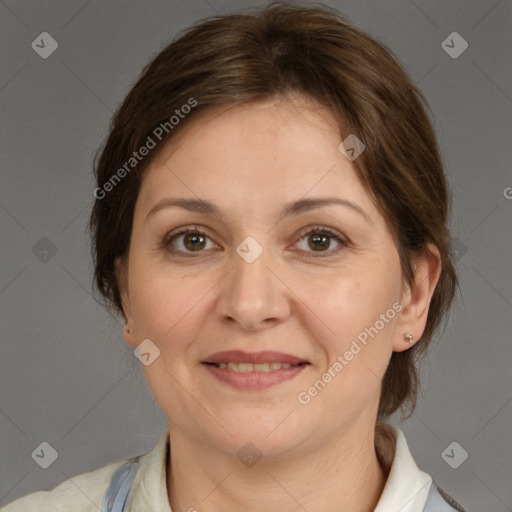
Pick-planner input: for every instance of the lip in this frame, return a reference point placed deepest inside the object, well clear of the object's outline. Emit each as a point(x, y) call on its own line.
point(253, 381)
point(239, 356)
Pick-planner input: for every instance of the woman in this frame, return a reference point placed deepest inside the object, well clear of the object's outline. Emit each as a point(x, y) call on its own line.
point(271, 222)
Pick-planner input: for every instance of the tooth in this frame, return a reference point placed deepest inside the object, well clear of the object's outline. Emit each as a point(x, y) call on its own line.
point(245, 367)
point(258, 367)
point(262, 367)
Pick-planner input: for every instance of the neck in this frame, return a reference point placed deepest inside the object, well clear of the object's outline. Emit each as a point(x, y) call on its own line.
point(342, 473)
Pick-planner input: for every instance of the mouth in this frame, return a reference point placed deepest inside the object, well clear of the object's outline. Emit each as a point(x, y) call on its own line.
point(253, 371)
point(245, 367)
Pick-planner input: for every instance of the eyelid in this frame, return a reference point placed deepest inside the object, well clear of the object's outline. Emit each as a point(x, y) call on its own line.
point(304, 232)
point(342, 240)
point(184, 231)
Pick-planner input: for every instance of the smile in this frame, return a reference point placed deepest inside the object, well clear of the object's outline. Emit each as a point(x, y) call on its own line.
point(254, 367)
point(253, 376)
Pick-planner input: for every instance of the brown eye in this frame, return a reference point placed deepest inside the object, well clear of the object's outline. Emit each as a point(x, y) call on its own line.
point(317, 241)
point(194, 241)
point(188, 241)
point(320, 239)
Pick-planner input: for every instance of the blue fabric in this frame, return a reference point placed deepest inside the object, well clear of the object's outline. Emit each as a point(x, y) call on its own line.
point(439, 501)
point(119, 488)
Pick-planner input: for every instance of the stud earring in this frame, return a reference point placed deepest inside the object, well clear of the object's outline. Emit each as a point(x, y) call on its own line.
point(129, 331)
point(408, 337)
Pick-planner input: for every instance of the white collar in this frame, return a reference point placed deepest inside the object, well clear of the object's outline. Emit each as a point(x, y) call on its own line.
point(407, 487)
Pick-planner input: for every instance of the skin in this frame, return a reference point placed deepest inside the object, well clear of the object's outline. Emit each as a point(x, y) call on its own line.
point(250, 161)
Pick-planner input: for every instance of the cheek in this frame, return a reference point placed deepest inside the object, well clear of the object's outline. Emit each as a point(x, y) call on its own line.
point(358, 306)
point(163, 305)
point(357, 297)
point(162, 309)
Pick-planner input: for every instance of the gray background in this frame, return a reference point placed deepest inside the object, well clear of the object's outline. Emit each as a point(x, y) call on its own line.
point(66, 375)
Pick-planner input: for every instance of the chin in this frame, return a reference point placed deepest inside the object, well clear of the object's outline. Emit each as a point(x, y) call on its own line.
point(267, 432)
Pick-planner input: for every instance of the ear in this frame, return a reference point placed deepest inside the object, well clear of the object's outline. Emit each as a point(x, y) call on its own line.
point(416, 298)
point(121, 270)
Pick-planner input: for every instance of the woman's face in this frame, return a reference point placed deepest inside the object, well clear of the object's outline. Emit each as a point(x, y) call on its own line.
point(248, 277)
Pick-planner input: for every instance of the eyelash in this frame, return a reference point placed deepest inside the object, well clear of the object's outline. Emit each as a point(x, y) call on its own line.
point(316, 230)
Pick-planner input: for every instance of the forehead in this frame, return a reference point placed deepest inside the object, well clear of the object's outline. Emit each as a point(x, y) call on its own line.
point(276, 150)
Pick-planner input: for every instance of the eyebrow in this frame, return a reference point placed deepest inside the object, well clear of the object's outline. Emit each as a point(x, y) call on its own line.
point(293, 208)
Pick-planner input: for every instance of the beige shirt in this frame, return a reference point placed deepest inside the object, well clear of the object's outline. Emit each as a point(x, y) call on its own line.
point(406, 488)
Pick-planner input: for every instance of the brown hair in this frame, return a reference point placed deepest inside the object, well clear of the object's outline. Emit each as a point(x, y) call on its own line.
point(282, 48)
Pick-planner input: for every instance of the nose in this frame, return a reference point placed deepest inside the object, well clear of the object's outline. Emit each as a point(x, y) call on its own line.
point(253, 294)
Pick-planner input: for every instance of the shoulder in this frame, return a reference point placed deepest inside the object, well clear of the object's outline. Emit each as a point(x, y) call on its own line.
point(81, 493)
point(85, 492)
